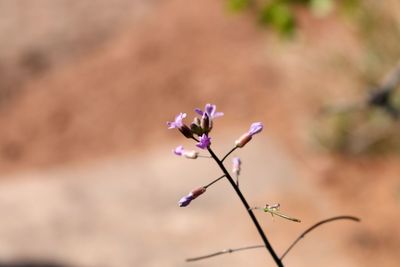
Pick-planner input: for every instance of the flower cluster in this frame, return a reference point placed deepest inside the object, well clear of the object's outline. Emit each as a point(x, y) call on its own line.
point(199, 131)
point(200, 127)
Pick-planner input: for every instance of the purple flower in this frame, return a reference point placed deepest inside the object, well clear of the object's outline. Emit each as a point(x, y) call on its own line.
point(178, 121)
point(236, 165)
point(255, 128)
point(178, 150)
point(204, 142)
point(184, 129)
point(210, 110)
point(183, 202)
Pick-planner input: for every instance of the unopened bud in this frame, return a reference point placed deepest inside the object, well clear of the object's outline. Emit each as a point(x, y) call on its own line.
point(243, 140)
point(185, 130)
point(197, 192)
point(185, 201)
point(205, 123)
point(197, 121)
point(236, 166)
point(195, 127)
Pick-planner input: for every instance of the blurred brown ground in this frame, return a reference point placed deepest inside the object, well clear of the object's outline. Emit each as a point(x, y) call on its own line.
point(88, 178)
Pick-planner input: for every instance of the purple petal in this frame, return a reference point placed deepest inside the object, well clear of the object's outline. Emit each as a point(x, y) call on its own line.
point(255, 128)
point(178, 150)
point(183, 202)
point(179, 118)
point(199, 111)
point(171, 125)
point(178, 121)
point(236, 165)
point(204, 142)
point(218, 114)
point(236, 161)
point(210, 110)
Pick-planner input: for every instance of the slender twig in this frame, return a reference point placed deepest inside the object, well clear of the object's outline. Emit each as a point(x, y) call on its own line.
point(216, 180)
point(227, 154)
point(229, 250)
point(247, 207)
point(315, 226)
point(225, 251)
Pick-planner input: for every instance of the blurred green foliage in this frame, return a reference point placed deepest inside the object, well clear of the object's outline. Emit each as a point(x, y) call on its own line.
point(363, 128)
point(369, 129)
point(281, 14)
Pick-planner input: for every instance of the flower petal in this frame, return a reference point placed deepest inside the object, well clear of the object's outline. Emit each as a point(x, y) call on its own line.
point(204, 142)
point(218, 114)
point(184, 201)
point(210, 110)
point(255, 128)
point(178, 121)
point(178, 151)
point(199, 111)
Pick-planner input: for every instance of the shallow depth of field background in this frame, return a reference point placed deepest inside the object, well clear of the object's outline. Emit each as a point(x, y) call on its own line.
point(87, 177)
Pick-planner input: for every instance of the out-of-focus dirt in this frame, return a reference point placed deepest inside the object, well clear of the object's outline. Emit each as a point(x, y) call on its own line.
point(114, 97)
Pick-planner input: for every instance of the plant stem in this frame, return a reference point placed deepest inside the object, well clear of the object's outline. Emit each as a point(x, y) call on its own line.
point(225, 251)
point(247, 207)
point(316, 226)
point(213, 182)
point(227, 154)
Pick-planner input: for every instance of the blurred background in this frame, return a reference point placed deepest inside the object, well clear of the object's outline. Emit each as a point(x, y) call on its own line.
point(86, 170)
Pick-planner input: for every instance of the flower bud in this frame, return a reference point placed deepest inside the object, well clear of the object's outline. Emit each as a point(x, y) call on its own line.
point(243, 140)
point(197, 192)
point(197, 121)
point(236, 166)
point(205, 123)
point(195, 127)
point(183, 202)
point(185, 130)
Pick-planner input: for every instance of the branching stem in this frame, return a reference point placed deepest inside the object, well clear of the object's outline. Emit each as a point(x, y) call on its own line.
point(247, 207)
point(213, 182)
point(225, 251)
point(227, 154)
point(314, 226)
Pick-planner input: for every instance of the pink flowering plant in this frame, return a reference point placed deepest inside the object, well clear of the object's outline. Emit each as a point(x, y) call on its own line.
point(199, 130)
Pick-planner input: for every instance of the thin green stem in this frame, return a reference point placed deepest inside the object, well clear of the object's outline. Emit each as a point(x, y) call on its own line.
point(247, 207)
